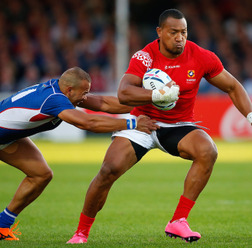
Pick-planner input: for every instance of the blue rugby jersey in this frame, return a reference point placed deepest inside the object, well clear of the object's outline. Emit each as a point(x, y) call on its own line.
point(32, 110)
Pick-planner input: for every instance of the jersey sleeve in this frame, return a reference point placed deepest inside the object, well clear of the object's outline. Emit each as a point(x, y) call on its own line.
point(213, 65)
point(140, 62)
point(55, 104)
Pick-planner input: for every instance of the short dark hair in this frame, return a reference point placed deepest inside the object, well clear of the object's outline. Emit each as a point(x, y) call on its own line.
point(174, 13)
point(73, 76)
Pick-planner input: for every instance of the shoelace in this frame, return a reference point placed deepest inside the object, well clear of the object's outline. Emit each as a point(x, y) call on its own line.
point(185, 223)
point(16, 232)
point(80, 233)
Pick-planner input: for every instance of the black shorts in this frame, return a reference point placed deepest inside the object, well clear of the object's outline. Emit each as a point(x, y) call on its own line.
point(168, 137)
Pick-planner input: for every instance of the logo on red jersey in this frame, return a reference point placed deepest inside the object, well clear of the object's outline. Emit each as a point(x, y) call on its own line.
point(191, 73)
point(144, 57)
point(172, 67)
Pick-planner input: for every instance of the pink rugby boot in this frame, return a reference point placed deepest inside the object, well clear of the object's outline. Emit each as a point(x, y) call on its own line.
point(180, 228)
point(78, 238)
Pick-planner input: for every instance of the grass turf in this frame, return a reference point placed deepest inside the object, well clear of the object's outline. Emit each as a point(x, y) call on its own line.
point(140, 203)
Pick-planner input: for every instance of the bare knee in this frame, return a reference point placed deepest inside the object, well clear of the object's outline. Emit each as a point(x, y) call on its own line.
point(208, 152)
point(47, 175)
point(207, 155)
point(43, 177)
point(199, 147)
point(110, 172)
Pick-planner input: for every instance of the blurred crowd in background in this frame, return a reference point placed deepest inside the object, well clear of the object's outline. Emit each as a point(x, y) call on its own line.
point(41, 39)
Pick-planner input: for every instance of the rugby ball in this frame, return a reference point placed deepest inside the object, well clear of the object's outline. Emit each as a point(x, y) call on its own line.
point(156, 79)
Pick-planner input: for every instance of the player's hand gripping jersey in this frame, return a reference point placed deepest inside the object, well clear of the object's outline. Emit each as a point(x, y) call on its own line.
point(32, 110)
point(186, 70)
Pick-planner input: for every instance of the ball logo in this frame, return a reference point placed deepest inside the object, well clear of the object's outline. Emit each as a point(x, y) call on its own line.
point(152, 84)
point(191, 73)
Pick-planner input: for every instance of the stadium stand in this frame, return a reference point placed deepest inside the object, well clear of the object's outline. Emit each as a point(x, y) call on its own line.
point(40, 39)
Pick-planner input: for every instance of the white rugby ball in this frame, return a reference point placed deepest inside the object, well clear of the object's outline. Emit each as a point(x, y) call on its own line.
point(156, 79)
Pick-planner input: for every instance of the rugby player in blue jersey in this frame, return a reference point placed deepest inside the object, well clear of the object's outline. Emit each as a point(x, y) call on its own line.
point(43, 107)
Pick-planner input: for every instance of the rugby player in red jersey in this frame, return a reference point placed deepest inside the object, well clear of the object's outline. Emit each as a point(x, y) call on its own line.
point(186, 63)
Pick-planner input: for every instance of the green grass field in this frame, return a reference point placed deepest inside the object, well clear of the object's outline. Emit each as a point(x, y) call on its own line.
point(140, 203)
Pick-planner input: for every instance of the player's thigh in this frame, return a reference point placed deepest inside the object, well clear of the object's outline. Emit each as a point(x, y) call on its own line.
point(120, 156)
point(24, 155)
point(197, 144)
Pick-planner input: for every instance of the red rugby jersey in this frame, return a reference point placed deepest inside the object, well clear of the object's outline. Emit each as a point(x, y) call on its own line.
point(186, 70)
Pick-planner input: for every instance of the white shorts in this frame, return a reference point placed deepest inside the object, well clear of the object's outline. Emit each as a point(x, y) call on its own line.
point(148, 141)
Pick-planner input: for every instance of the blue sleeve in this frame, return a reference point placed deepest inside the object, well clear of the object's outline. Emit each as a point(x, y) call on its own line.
point(55, 104)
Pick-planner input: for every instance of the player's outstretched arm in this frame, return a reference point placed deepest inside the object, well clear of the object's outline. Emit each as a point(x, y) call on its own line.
point(226, 82)
point(109, 104)
point(105, 124)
